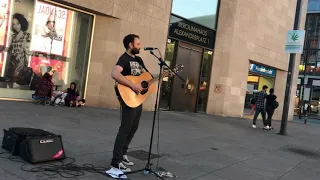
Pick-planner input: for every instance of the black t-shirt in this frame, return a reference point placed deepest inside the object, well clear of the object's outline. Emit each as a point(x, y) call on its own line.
point(131, 66)
point(271, 98)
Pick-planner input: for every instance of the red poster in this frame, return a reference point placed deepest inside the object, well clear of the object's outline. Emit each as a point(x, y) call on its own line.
point(41, 65)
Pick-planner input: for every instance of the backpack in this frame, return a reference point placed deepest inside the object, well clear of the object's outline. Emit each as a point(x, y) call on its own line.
point(275, 104)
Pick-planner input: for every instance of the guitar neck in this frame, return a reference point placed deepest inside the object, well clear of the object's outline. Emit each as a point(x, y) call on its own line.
point(154, 79)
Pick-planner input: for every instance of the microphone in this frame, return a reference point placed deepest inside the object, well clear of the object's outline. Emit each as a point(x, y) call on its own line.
point(149, 48)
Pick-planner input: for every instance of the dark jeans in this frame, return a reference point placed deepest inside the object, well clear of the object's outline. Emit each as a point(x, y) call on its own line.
point(129, 125)
point(256, 114)
point(270, 112)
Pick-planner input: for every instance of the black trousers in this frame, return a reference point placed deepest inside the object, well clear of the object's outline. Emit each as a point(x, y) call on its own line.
point(129, 125)
point(256, 114)
point(270, 112)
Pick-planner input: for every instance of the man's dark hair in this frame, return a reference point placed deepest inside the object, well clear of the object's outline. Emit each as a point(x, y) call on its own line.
point(265, 87)
point(22, 21)
point(271, 91)
point(129, 39)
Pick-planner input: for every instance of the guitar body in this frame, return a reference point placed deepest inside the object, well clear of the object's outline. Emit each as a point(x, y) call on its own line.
point(131, 98)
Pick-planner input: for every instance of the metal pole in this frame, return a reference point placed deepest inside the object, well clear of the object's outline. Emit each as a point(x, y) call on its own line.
point(286, 104)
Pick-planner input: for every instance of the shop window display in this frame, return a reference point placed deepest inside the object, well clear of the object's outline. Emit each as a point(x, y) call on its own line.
point(38, 37)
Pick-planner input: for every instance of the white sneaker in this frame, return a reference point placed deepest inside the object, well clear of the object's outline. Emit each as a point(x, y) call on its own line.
point(254, 126)
point(126, 161)
point(266, 128)
point(122, 168)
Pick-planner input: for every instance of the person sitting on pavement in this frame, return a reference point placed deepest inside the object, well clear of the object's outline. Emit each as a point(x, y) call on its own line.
point(70, 97)
point(45, 86)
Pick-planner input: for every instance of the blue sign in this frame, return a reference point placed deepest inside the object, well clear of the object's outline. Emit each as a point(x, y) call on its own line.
point(262, 70)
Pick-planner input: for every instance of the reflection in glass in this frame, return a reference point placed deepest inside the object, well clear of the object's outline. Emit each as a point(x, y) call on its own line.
point(167, 81)
point(203, 12)
point(204, 81)
point(310, 59)
point(38, 37)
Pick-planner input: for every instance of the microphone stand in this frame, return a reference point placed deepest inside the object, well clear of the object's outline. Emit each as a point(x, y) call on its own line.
point(148, 168)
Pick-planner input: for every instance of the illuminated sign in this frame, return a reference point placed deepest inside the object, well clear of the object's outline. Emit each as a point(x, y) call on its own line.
point(191, 32)
point(262, 70)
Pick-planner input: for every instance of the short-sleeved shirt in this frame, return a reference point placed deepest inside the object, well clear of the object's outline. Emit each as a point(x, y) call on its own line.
point(131, 65)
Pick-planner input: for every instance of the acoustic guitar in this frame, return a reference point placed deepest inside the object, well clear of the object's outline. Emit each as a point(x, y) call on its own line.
point(133, 99)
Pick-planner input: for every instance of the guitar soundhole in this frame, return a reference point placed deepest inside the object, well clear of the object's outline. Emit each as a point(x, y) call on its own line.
point(145, 86)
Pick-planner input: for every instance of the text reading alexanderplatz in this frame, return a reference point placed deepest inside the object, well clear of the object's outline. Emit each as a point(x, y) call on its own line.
point(191, 35)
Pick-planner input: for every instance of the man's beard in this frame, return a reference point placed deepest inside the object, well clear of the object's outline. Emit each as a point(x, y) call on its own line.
point(135, 51)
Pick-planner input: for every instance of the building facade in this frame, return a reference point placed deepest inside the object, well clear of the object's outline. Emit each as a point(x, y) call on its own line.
point(229, 49)
point(79, 40)
point(308, 88)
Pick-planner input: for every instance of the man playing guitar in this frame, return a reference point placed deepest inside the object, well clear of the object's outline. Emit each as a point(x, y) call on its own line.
point(128, 64)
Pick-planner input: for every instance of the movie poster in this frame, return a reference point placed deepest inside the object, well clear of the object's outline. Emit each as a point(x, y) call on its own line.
point(49, 29)
point(4, 21)
point(41, 65)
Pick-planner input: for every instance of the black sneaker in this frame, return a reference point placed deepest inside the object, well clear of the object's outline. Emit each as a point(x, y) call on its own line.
point(126, 161)
point(121, 167)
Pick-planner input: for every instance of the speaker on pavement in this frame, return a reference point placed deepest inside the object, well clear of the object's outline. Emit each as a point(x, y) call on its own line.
point(9, 141)
point(15, 135)
point(42, 149)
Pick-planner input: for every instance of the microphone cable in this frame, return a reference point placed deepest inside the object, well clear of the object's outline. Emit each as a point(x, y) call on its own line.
point(64, 168)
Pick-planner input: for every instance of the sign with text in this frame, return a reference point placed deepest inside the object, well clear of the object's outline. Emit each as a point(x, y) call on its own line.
point(191, 32)
point(295, 41)
point(262, 70)
point(49, 28)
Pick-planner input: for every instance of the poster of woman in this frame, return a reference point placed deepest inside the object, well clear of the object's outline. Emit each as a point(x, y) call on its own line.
point(18, 53)
point(49, 29)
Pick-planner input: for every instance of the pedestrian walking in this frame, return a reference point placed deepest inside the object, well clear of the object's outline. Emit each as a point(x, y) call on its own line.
point(271, 105)
point(260, 98)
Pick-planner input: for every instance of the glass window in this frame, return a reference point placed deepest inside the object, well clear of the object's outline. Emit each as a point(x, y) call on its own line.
point(313, 6)
point(167, 81)
point(310, 60)
point(37, 37)
point(204, 81)
point(203, 12)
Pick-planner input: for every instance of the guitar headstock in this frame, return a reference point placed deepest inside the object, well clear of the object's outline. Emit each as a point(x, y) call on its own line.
point(175, 69)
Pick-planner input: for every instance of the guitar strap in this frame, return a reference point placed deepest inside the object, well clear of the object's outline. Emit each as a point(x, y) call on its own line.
point(142, 64)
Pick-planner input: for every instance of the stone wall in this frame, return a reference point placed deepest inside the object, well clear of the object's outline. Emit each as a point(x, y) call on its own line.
point(250, 30)
point(146, 18)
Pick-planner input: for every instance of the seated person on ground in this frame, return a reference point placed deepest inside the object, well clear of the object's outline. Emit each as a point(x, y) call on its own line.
point(71, 94)
point(45, 86)
point(70, 97)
